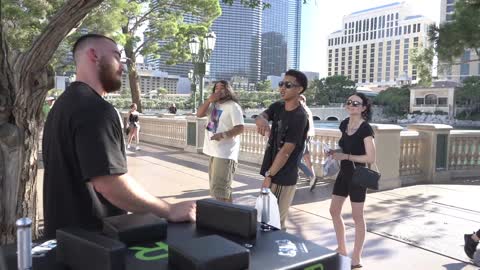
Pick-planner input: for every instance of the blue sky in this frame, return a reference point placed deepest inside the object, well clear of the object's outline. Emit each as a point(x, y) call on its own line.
point(322, 17)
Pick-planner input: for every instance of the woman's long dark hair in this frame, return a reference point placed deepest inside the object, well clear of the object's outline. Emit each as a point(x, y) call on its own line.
point(367, 114)
point(229, 94)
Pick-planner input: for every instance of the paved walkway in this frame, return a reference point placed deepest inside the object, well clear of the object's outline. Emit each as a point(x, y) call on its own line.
point(417, 227)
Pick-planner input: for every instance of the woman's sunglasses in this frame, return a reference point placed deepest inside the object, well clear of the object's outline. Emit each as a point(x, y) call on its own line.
point(287, 85)
point(353, 103)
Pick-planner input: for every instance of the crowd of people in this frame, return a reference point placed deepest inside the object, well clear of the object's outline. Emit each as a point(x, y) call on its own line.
point(86, 176)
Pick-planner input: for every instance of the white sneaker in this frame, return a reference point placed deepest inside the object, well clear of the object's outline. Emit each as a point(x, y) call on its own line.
point(128, 146)
point(137, 148)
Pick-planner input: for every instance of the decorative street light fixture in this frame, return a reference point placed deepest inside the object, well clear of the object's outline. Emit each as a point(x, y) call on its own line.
point(201, 51)
point(193, 89)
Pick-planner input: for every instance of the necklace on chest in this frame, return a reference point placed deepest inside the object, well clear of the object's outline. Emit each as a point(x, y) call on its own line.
point(352, 128)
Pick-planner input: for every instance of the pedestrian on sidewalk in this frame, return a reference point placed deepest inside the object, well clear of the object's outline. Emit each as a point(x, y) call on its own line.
point(357, 145)
point(286, 140)
point(222, 138)
point(305, 162)
point(133, 126)
point(471, 243)
point(85, 177)
point(172, 109)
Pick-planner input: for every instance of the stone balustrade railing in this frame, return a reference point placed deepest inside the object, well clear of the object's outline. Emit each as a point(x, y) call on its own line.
point(464, 150)
point(425, 153)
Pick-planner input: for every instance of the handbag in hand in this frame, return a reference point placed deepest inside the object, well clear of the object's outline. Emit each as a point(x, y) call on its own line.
point(365, 177)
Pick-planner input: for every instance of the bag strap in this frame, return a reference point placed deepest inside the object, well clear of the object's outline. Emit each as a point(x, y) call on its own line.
point(368, 164)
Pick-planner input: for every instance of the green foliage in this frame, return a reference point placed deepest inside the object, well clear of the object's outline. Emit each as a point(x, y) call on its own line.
point(159, 103)
point(162, 91)
point(333, 89)
point(468, 96)
point(422, 58)
point(396, 101)
point(264, 86)
point(254, 99)
point(25, 20)
point(452, 38)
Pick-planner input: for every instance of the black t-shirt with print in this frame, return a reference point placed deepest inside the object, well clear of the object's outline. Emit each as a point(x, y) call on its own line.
point(287, 127)
point(82, 139)
point(354, 144)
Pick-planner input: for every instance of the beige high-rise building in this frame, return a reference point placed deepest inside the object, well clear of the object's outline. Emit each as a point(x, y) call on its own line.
point(468, 64)
point(151, 79)
point(374, 45)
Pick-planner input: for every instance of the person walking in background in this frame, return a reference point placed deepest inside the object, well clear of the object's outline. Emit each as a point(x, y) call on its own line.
point(222, 140)
point(305, 162)
point(357, 145)
point(286, 140)
point(133, 126)
point(471, 243)
point(172, 109)
point(85, 176)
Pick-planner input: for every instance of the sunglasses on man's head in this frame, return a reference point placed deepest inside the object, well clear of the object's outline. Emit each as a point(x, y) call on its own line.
point(353, 103)
point(287, 85)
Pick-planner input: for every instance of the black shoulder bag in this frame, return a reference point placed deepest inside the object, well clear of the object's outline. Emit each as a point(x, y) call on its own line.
point(365, 177)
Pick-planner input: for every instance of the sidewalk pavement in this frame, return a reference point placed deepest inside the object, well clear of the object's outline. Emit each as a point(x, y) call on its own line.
point(417, 227)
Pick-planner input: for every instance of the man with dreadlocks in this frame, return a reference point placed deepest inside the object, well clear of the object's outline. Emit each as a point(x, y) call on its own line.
point(222, 140)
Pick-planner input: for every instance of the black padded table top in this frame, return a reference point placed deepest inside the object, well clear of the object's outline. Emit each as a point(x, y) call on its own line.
point(270, 250)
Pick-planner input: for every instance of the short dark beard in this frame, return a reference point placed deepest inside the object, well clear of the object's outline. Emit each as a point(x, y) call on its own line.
point(107, 78)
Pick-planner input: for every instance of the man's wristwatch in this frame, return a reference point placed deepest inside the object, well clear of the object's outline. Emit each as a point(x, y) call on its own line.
point(268, 174)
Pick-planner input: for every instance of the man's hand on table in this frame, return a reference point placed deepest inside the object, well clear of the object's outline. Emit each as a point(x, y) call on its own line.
point(183, 211)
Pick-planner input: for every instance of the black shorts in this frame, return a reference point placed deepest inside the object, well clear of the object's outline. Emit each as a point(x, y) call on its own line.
point(343, 187)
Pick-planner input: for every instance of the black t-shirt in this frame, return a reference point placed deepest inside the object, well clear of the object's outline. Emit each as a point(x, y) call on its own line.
point(82, 139)
point(287, 127)
point(354, 144)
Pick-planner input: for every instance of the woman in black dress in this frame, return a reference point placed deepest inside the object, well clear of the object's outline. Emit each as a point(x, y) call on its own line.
point(357, 146)
point(134, 126)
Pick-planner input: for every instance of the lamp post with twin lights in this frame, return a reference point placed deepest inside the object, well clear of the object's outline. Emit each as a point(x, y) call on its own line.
point(201, 51)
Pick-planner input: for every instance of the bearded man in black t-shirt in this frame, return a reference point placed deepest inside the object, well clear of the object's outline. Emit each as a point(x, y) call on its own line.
point(286, 140)
point(85, 175)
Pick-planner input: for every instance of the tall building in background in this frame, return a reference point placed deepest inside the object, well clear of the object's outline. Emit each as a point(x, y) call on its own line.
point(180, 69)
point(238, 46)
point(374, 45)
point(294, 33)
point(466, 67)
point(281, 24)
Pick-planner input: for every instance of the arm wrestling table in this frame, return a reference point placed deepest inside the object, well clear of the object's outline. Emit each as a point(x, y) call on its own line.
point(265, 252)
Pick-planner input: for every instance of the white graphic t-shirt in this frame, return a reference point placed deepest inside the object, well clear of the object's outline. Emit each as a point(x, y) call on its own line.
point(223, 117)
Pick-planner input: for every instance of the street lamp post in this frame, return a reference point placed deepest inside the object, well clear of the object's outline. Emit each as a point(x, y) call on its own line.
point(193, 89)
point(201, 51)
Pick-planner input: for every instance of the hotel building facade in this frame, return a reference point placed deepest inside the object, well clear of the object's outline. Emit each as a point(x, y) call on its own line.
point(468, 64)
point(374, 45)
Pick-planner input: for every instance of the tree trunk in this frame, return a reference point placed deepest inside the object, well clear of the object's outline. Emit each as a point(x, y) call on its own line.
point(134, 88)
point(132, 68)
point(25, 79)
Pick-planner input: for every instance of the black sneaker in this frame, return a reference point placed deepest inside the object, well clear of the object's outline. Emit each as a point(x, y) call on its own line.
point(312, 182)
point(470, 245)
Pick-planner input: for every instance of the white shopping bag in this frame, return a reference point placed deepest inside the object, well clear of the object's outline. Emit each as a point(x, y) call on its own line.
point(330, 167)
point(274, 218)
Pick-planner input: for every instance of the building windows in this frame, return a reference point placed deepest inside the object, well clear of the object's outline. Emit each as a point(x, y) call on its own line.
point(419, 101)
point(415, 42)
point(450, 8)
point(431, 99)
point(465, 66)
point(442, 101)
